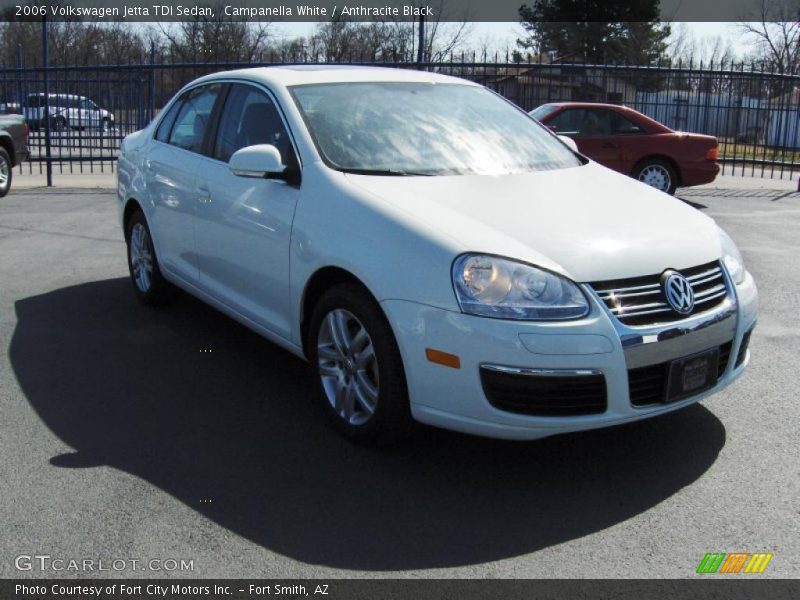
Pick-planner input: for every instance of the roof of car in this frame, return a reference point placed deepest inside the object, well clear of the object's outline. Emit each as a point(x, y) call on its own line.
point(56, 95)
point(288, 75)
point(654, 126)
point(591, 105)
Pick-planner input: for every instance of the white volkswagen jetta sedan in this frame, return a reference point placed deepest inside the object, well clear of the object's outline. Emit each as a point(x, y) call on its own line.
point(435, 253)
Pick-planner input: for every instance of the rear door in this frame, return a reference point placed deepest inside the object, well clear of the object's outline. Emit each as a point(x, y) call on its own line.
point(70, 108)
point(172, 164)
point(243, 225)
point(85, 109)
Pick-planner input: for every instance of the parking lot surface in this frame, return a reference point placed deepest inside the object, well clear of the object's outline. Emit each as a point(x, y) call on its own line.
point(174, 433)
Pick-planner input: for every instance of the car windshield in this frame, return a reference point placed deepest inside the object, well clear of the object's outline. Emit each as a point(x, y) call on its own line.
point(425, 129)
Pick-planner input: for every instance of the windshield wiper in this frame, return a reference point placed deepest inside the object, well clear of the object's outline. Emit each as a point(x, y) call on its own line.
point(386, 172)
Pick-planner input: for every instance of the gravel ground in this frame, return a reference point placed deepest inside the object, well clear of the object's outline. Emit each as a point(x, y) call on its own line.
point(121, 439)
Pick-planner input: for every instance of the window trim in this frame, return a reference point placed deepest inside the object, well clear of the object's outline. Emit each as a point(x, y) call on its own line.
point(163, 116)
point(210, 134)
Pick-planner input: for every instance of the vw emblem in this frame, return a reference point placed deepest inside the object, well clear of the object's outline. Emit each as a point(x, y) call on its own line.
point(678, 291)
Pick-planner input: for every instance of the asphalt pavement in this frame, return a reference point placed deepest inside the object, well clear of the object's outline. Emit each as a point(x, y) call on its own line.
point(137, 434)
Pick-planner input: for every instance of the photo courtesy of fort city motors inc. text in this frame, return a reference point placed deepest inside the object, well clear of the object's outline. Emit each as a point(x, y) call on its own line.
point(399, 299)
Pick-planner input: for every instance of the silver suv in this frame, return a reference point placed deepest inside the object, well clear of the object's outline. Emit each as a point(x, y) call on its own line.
point(66, 111)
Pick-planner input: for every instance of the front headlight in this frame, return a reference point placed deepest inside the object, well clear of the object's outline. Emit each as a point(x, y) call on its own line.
point(490, 286)
point(731, 258)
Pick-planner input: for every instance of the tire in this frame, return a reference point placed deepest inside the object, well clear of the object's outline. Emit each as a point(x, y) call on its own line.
point(149, 285)
point(657, 173)
point(363, 394)
point(6, 172)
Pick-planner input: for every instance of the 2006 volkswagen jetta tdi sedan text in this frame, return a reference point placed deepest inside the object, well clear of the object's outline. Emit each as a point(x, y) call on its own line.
point(435, 253)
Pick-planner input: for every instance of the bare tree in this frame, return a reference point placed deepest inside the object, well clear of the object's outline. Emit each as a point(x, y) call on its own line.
point(685, 47)
point(215, 39)
point(341, 40)
point(777, 33)
point(73, 43)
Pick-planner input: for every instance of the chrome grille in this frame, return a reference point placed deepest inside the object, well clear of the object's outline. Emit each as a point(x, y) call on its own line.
point(640, 301)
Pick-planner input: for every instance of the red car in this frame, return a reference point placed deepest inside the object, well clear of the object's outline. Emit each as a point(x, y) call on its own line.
point(629, 142)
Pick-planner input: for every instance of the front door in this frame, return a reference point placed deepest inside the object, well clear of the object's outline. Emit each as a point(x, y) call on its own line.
point(592, 130)
point(243, 225)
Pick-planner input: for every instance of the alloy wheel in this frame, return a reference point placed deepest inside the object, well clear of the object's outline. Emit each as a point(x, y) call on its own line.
point(4, 170)
point(141, 258)
point(656, 176)
point(348, 367)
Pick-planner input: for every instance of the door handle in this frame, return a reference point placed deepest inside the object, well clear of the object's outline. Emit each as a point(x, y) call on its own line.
point(610, 145)
point(203, 195)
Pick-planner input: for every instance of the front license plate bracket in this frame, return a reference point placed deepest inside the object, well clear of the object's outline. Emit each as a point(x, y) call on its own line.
point(692, 375)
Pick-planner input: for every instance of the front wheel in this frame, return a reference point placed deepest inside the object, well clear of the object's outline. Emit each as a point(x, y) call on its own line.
point(657, 173)
point(6, 172)
point(148, 283)
point(360, 377)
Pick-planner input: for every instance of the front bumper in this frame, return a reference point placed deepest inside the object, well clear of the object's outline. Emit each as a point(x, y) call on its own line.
point(454, 398)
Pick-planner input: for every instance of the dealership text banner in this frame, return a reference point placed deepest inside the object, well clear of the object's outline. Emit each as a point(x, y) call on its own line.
point(430, 589)
point(361, 10)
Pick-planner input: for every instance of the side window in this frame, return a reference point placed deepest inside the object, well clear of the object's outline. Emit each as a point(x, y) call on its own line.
point(566, 122)
point(162, 133)
point(193, 118)
point(623, 124)
point(249, 118)
point(595, 121)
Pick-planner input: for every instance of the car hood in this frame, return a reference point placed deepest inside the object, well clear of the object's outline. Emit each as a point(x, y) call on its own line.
point(587, 222)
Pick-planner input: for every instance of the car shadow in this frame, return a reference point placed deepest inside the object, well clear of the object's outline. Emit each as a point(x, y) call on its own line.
point(195, 404)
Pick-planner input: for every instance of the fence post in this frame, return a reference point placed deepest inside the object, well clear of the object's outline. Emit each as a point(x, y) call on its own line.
point(19, 78)
point(152, 81)
point(421, 42)
point(46, 63)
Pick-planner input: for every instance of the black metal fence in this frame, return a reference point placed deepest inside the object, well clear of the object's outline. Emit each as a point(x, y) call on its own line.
point(754, 114)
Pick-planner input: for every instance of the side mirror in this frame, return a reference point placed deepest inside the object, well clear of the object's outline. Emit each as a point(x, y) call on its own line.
point(262, 161)
point(569, 142)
